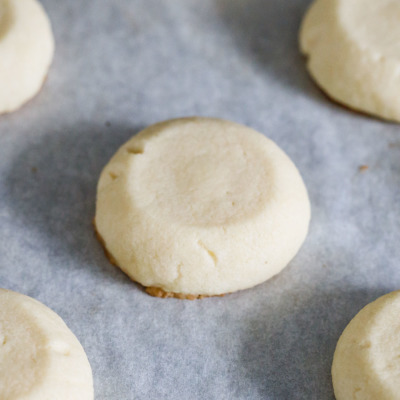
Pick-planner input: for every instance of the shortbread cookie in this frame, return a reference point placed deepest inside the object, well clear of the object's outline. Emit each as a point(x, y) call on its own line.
point(201, 207)
point(40, 358)
point(26, 51)
point(354, 53)
point(366, 364)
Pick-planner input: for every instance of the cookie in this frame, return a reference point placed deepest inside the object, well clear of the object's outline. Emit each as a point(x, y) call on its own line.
point(200, 207)
point(40, 358)
point(26, 51)
point(366, 364)
point(354, 54)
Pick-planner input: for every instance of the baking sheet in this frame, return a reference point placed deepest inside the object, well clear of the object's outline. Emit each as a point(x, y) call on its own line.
point(121, 65)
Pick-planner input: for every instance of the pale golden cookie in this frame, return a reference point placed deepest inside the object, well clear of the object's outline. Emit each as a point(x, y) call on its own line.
point(366, 364)
point(26, 51)
point(201, 207)
point(40, 358)
point(353, 53)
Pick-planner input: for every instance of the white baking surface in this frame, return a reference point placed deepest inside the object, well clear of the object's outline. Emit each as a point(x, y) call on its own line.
point(124, 64)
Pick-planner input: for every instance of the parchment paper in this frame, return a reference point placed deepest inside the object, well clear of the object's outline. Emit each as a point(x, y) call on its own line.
point(124, 64)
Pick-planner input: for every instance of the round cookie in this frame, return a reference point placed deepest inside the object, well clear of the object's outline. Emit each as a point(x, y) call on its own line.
point(354, 53)
point(26, 51)
point(199, 207)
point(366, 364)
point(40, 358)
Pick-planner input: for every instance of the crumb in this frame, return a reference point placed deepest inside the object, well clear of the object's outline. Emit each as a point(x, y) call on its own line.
point(34, 170)
point(363, 168)
point(107, 124)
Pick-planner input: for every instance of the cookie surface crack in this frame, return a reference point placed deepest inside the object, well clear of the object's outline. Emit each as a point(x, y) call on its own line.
point(212, 255)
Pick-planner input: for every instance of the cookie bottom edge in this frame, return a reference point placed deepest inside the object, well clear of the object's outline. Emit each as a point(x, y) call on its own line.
point(151, 290)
